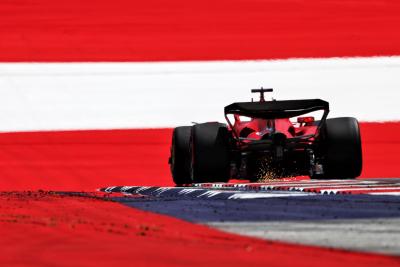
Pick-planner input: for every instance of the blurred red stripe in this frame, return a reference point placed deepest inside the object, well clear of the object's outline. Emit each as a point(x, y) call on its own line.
point(86, 160)
point(154, 30)
point(381, 146)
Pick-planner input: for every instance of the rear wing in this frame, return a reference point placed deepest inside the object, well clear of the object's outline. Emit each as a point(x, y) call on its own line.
point(277, 109)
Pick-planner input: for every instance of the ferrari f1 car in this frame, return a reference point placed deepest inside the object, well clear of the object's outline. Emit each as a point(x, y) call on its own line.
point(267, 139)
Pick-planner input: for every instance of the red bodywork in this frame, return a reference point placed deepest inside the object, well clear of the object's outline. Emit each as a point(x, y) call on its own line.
point(256, 128)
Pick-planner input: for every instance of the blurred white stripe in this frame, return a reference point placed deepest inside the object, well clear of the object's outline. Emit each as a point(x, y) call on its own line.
point(53, 96)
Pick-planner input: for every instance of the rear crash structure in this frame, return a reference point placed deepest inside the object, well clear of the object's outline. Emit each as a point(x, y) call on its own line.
point(265, 140)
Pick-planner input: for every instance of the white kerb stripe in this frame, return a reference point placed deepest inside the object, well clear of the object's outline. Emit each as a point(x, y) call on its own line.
point(58, 96)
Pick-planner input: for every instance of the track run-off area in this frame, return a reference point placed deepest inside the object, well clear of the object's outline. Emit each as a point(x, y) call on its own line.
point(360, 215)
point(90, 91)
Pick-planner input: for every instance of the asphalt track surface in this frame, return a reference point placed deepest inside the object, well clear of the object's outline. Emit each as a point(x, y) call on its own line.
point(358, 215)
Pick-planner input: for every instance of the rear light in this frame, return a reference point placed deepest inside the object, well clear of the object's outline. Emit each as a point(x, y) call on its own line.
point(305, 119)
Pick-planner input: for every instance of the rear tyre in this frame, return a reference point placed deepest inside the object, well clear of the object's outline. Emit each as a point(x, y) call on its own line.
point(210, 153)
point(180, 155)
point(342, 149)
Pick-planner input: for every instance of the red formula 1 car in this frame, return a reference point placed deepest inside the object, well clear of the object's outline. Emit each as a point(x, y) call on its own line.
point(268, 139)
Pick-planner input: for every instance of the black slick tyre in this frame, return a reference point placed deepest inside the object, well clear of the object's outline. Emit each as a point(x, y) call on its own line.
point(341, 144)
point(210, 153)
point(180, 155)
